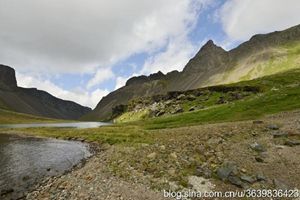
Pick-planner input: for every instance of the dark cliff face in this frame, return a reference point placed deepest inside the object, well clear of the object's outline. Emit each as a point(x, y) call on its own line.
point(33, 101)
point(210, 61)
point(7, 78)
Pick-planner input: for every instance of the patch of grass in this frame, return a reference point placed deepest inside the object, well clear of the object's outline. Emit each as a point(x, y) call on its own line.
point(10, 117)
point(3, 105)
point(115, 134)
point(132, 116)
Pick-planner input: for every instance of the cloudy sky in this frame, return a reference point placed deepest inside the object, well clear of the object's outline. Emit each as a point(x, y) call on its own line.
point(81, 50)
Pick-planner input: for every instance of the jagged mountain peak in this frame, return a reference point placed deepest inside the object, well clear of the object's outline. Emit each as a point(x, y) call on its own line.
point(7, 77)
point(213, 65)
point(209, 56)
point(210, 47)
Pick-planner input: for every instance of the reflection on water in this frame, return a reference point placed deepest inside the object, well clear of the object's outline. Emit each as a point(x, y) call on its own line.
point(57, 125)
point(25, 161)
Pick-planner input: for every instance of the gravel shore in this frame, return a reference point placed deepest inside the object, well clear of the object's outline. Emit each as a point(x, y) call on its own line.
point(92, 181)
point(261, 154)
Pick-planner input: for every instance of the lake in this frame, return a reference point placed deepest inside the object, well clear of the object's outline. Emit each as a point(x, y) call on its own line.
point(57, 125)
point(25, 161)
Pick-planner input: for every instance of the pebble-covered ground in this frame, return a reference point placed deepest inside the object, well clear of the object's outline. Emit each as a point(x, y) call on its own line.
point(262, 154)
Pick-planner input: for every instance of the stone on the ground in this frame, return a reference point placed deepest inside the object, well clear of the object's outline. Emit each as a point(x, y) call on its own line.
point(203, 172)
point(235, 180)
point(259, 159)
point(292, 143)
point(181, 97)
point(277, 134)
point(151, 155)
point(248, 179)
point(257, 147)
point(226, 170)
point(273, 127)
point(192, 108)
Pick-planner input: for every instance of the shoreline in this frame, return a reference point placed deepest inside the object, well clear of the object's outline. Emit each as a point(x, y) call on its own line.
point(92, 148)
point(186, 158)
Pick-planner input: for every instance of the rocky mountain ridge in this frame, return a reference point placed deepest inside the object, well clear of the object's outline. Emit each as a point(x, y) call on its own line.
point(34, 101)
point(262, 55)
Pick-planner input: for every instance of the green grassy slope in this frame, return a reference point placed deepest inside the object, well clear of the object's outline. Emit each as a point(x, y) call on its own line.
point(269, 61)
point(10, 117)
point(281, 92)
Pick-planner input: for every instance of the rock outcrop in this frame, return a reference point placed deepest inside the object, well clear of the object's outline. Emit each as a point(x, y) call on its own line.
point(7, 78)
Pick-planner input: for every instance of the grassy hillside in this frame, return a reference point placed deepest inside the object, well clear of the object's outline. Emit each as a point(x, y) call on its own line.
point(10, 117)
point(280, 92)
point(267, 62)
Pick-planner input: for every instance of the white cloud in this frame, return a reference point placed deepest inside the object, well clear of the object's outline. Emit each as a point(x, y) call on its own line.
point(177, 54)
point(243, 18)
point(120, 82)
point(101, 75)
point(179, 48)
point(76, 36)
point(80, 95)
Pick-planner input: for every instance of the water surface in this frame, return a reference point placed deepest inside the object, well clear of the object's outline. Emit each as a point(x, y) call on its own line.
point(57, 125)
point(25, 161)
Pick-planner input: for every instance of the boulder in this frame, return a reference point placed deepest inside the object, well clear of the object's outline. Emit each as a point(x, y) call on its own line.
point(177, 109)
point(273, 127)
point(191, 97)
point(234, 180)
point(260, 177)
point(181, 97)
point(160, 113)
point(192, 108)
point(277, 134)
point(173, 156)
point(226, 170)
point(248, 179)
point(203, 172)
point(222, 100)
point(151, 155)
point(257, 147)
point(259, 159)
point(292, 143)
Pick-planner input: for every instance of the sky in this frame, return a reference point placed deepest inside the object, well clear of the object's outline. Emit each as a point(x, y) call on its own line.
point(81, 50)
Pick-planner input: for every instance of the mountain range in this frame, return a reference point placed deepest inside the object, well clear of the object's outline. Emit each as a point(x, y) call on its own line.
point(263, 54)
point(33, 101)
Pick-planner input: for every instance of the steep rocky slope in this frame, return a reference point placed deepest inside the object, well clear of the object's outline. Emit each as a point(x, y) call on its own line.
point(33, 101)
point(262, 55)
